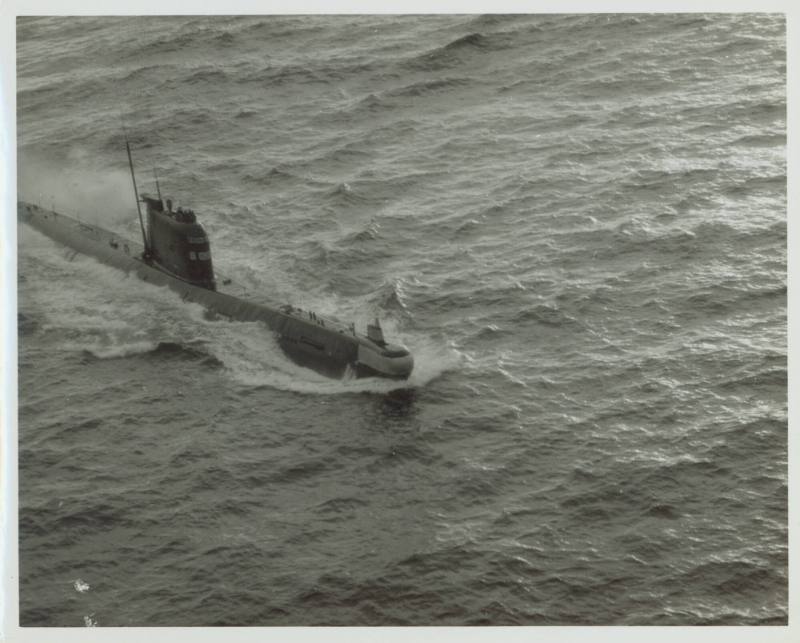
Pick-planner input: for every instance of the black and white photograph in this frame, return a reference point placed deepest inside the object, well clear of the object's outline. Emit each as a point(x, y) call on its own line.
point(402, 320)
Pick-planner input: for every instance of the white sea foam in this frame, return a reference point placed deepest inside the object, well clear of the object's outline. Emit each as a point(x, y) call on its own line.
point(117, 350)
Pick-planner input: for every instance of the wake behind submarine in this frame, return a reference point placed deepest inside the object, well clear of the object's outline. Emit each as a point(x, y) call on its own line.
point(176, 253)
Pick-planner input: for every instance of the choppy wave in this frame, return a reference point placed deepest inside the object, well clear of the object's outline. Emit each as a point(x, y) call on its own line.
point(577, 223)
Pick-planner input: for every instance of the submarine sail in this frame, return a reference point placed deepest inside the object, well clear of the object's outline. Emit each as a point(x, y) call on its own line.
point(178, 243)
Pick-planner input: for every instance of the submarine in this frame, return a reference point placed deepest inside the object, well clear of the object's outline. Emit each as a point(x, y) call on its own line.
point(176, 252)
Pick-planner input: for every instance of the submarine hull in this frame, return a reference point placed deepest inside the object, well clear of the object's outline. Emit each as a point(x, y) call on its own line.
point(305, 338)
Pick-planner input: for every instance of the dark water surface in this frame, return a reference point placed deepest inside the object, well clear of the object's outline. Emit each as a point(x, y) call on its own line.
point(576, 222)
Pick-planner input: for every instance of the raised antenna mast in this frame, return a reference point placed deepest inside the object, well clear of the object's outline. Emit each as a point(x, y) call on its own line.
point(136, 194)
point(158, 189)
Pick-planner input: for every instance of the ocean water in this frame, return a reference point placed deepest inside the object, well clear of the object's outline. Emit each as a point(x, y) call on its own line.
point(577, 223)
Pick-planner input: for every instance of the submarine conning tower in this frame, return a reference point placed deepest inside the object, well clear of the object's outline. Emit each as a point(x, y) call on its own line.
point(178, 243)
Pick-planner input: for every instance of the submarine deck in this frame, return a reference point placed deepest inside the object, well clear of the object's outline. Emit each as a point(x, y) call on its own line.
point(134, 251)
